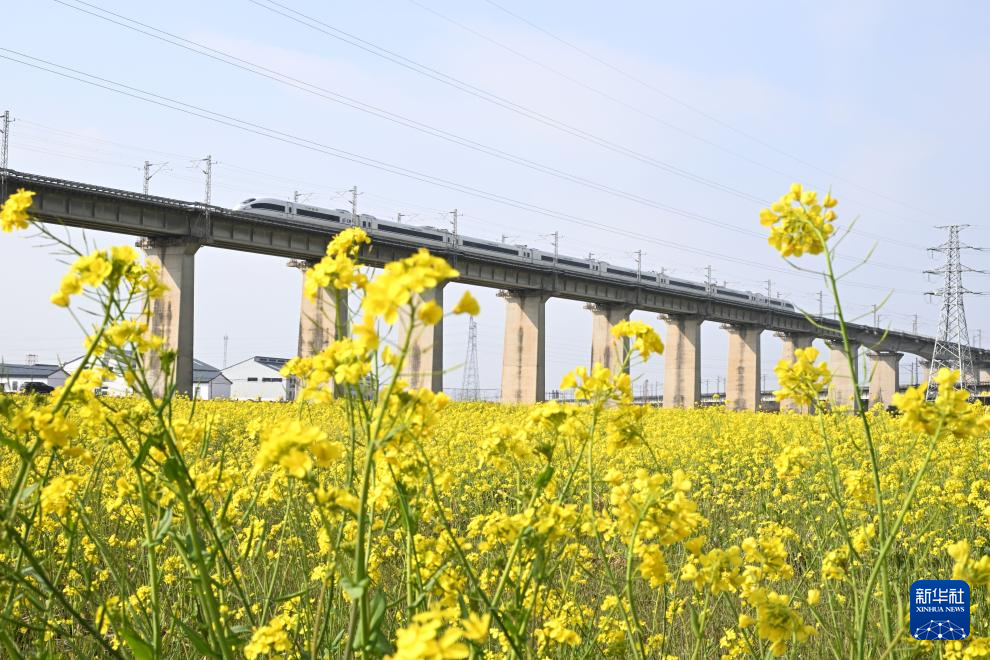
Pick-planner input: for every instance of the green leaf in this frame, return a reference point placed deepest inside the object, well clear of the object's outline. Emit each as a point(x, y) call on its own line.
point(352, 589)
point(171, 469)
point(163, 526)
point(197, 640)
point(377, 610)
point(141, 649)
point(544, 478)
point(21, 450)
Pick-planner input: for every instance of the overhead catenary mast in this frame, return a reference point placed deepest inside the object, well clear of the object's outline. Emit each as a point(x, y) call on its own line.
point(5, 123)
point(5, 143)
point(952, 347)
point(148, 173)
point(354, 196)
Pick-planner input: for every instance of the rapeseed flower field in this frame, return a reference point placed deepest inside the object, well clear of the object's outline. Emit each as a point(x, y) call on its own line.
point(371, 520)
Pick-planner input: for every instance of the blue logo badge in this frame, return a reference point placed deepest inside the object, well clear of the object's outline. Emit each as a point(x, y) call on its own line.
point(940, 609)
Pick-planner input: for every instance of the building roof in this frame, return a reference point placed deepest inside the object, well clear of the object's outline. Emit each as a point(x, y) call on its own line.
point(205, 373)
point(28, 370)
point(273, 363)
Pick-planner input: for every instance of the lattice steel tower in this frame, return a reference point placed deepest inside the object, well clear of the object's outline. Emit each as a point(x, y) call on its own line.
point(471, 387)
point(952, 348)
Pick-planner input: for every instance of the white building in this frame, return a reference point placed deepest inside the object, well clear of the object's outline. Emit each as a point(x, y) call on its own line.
point(116, 387)
point(209, 382)
point(258, 378)
point(14, 376)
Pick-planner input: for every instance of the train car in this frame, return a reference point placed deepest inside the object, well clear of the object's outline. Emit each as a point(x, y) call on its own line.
point(684, 286)
point(436, 238)
point(485, 247)
point(427, 236)
point(782, 304)
point(280, 208)
point(567, 263)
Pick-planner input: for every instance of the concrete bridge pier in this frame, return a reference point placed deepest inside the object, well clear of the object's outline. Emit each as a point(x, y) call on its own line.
point(983, 373)
point(884, 376)
point(523, 353)
point(606, 349)
point(682, 361)
point(926, 368)
point(842, 391)
point(172, 314)
point(322, 320)
point(791, 342)
point(423, 366)
point(742, 378)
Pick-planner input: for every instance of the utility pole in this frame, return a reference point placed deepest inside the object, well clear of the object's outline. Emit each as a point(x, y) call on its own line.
point(4, 152)
point(639, 265)
point(453, 221)
point(876, 317)
point(398, 217)
point(821, 307)
point(769, 292)
point(978, 334)
point(5, 143)
point(708, 278)
point(952, 347)
point(225, 338)
point(148, 173)
point(208, 171)
point(505, 237)
point(914, 325)
point(556, 247)
point(354, 196)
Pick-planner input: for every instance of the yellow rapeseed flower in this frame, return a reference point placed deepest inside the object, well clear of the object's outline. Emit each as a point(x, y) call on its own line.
point(467, 305)
point(14, 213)
point(798, 223)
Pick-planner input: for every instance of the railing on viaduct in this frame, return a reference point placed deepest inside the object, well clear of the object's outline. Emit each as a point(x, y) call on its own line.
point(174, 230)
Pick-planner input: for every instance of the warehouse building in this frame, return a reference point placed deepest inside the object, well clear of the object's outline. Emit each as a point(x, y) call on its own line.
point(14, 376)
point(209, 382)
point(258, 378)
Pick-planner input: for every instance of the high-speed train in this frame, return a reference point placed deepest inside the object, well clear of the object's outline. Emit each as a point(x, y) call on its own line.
point(442, 238)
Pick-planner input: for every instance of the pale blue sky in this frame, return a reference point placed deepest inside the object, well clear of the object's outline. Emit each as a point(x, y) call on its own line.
point(884, 102)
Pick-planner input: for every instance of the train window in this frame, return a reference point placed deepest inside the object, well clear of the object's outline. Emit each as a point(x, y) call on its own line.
point(408, 232)
point(485, 246)
point(317, 215)
point(269, 207)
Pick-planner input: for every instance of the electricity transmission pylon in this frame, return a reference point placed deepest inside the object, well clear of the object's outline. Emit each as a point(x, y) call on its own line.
point(952, 349)
point(471, 387)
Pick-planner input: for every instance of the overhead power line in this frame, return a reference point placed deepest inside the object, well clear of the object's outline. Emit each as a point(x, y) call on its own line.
point(579, 82)
point(286, 79)
point(318, 147)
point(335, 97)
point(693, 108)
point(490, 97)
